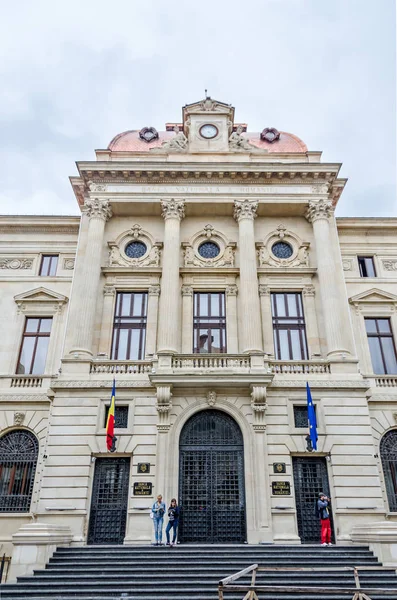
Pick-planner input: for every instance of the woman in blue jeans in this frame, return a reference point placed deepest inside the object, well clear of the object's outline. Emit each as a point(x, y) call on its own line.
point(158, 510)
point(173, 520)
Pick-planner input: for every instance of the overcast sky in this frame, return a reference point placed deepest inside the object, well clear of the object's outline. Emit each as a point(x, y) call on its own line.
point(76, 73)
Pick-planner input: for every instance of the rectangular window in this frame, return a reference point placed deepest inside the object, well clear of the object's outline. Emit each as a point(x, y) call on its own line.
point(300, 416)
point(209, 325)
point(33, 353)
point(120, 417)
point(289, 326)
point(49, 263)
point(366, 266)
point(129, 326)
point(381, 346)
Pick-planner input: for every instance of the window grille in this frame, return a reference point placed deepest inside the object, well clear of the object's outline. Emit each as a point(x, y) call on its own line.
point(18, 459)
point(388, 454)
point(120, 417)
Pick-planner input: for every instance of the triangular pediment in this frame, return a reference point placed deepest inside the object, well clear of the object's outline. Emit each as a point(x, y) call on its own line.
point(40, 294)
point(373, 295)
point(208, 105)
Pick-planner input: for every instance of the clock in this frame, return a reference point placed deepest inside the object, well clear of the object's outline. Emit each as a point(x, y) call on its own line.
point(208, 131)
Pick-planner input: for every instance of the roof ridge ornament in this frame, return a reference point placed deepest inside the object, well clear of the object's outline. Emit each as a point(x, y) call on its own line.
point(148, 134)
point(270, 134)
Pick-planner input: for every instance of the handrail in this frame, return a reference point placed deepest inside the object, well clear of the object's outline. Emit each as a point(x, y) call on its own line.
point(4, 566)
point(358, 593)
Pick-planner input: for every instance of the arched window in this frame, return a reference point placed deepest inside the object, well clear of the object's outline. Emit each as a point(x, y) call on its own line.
point(388, 454)
point(18, 459)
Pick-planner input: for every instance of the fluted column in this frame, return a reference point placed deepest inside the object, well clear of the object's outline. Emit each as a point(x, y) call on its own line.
point(169, 328)
point(338, 329)
point(187, 319)
point(152, 319)
point(267, 320)
point(85, 288)
point(250, 332)
point(231, 319)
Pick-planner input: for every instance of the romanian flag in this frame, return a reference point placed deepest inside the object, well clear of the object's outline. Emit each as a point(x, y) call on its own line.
point(110, 421)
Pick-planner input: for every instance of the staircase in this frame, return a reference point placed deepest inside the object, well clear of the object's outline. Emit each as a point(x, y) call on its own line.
point(191, 572)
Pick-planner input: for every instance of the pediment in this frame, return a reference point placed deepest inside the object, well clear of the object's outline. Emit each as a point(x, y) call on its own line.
point(40, 294)
point(374, 295)
point(208, 105)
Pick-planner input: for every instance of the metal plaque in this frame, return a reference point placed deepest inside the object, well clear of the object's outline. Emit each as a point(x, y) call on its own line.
point(279, 468)
point(143, 467)
point(281, 488)
point(142, 488)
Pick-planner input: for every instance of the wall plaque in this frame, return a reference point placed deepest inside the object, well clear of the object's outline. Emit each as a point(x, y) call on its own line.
point(143, 467)
point(279, 468)
point(142, 488)
point(281, 488)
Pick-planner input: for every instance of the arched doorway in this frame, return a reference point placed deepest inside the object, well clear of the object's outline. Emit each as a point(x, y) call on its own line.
point(211, 479)
point(388, 454)
point(18, 458)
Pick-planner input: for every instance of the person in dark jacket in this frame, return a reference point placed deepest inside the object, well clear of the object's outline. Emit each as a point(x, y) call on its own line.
point(173, 520)
point(323, 512)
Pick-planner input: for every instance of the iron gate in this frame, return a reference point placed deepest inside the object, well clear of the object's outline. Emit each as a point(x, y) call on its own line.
point(388, 454)
point(310, 478)
point(211, 479)
point(108, 515)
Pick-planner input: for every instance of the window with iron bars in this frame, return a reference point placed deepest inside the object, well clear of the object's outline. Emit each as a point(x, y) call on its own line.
point(18, 459)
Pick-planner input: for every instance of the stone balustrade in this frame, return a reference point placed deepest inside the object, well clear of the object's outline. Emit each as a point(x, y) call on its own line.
point(189, 362)
point(386, 381)
point(121, 367)
point(26, 381)
point(292, 367)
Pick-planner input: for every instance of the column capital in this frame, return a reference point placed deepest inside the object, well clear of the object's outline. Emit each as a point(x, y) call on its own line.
point(154, 290)
point(187, 290)
point(309, 290)
point(245, 209)
point(322, 209)
point(173, 209)
point(264, 290)
point(97, 208)
point(231, 290)
point(109, 290)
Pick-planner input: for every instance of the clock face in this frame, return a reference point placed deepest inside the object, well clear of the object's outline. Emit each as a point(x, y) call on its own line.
point(208, 131)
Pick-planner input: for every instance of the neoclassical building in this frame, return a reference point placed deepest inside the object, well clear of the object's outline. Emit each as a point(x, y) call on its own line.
point(209, 276)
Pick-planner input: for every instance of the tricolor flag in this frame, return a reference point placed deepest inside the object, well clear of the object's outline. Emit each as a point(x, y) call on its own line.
point(110, 422)
point(311, 415)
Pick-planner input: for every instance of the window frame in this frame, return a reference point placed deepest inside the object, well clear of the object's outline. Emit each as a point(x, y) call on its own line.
point(37, 334)
point(52, 257)
point(137, 322)
point(15, 463)
point(362, 266)
point(299, 325)
point(379, 335)
point(207, 321)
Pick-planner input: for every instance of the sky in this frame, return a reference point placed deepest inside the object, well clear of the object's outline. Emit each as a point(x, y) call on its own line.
point(75, 73)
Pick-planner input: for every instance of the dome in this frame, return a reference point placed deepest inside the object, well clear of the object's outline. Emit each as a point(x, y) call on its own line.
point(129, 141)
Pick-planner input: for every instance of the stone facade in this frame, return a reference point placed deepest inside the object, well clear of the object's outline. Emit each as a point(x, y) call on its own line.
point(244, 194)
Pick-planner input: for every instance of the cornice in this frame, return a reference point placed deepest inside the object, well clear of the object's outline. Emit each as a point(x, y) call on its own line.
point(39, 224)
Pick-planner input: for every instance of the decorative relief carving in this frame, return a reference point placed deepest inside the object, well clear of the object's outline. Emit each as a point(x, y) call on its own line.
point(96, 187)
point(347, 264)
point(320, 189)
point(211, 397)
point(178, 143)
point(390, 264)
point(173, 209)
point(245, 209)
point(187, 290)
point(154, 290)
point(117, 249)
point(237, 142)
point(322, 209)
point(309, 290)
point(264, 290)
point(210, 105)
point(19, 418)
point(193, 258)
point(298, 250)
point(68, 264)
point(16, 263)
point(231, 290)
point(58, 384)
point(109, 290)
point(97, 208)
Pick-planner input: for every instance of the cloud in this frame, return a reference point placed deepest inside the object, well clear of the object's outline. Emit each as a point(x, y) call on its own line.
point(77, 73)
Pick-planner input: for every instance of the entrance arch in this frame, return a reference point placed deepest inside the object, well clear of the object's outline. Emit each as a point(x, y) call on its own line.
point(211, 479)
point(388, 455)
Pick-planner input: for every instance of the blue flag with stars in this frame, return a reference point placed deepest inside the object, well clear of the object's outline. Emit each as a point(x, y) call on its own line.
point(311, 415)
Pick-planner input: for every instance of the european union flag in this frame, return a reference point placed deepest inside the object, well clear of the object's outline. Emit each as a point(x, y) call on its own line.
point(311, 415)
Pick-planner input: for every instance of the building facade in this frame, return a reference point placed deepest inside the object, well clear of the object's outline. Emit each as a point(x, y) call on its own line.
point(208, 276)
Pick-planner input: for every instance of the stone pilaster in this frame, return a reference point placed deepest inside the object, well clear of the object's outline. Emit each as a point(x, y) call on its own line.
point(86, 287)
point(187, 319)
point(338, 329)
point(152, 318)
point(173, 212)
point(163, 405)
point(231, 319)
point(105, 341)
point(267, 320)
point(309, 308)
point(250, 332)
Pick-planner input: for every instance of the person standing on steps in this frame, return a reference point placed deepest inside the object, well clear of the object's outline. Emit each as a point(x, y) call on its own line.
point(173, 519)
point(158, 510)
point(323, 512)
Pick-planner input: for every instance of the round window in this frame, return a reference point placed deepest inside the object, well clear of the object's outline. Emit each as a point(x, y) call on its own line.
point(282, 250)
point(135, 249)
point(209, 250)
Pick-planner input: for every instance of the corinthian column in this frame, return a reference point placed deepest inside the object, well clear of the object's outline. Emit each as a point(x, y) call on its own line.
point(86, 286)
point(250, 319)
point(173, 212)
point(338, 328)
